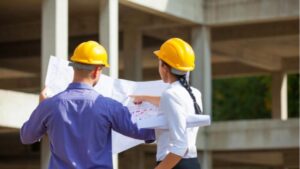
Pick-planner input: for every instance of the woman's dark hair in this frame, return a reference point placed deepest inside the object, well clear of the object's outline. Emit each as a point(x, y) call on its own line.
point(186, 85)
point(182, 80)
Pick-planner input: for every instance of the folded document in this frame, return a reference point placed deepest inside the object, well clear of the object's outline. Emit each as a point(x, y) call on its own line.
point(160, 121)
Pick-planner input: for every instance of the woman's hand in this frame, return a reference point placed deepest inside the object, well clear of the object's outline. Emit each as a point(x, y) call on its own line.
point(169, 162)
point(140, 99)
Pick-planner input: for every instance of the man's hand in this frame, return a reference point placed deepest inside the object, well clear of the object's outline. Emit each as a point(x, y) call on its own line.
point(140, 99)
point(43, 94)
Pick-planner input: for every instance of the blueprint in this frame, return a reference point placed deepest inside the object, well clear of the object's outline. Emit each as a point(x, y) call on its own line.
point(145, 115)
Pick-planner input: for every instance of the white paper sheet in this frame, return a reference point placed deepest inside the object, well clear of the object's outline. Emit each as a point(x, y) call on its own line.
point(59, 75)
point(160, 121)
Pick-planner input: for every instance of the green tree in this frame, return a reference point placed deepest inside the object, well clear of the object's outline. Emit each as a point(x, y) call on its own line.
point(293, 95)
point(250, 98)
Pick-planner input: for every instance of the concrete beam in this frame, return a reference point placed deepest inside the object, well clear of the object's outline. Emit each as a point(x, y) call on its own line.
point(20, 83)
point(79, 26)
point(235, 69)
point(283, 158)
point(16, 108)
point(290, 65)
point(11, 73)
point(291, 158)
point(219, 70)
point(228, 12)
point(259, 59)
point(25, 65)
point(250, 135)
point(167, 33)
point(255, 31)
point(5, 130)
point(12, 32)
point(252, 158)
point(177, 10)
point(250, 56)
point(262, 52)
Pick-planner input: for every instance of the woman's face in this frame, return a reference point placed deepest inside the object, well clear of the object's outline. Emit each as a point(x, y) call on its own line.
point(163, 71)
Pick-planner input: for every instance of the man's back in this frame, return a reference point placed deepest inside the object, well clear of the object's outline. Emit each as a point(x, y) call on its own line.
point(79, 122)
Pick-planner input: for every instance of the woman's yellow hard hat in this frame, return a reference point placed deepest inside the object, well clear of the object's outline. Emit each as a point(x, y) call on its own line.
point(91, 53)
point(178, 54)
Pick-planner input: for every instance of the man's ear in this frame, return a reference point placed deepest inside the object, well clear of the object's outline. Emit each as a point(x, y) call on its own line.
point(166, 67)
point(95, 72)
point(101, 68)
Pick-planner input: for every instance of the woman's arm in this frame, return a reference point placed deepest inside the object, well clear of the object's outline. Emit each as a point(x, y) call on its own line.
point(169, 162)
point(151, 99)
point(172, 106)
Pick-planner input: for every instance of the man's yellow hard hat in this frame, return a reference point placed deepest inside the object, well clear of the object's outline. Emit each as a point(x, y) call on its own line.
point(178, 54)
point(91, 53)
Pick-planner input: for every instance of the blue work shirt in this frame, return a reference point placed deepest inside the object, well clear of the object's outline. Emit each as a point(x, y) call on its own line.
point(78, 122)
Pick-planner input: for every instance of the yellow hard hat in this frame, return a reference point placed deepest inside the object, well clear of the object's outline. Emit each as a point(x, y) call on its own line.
point(178, 54)
point(91, 53)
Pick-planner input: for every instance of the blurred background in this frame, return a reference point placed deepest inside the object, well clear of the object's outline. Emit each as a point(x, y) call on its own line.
point(247, 69)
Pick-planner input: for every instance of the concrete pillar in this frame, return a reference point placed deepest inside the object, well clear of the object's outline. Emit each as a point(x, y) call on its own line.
point(109, 38)
point(279, 96)
point(133, 68)
point(201, 78)
point(54, 42)
point(109, 33)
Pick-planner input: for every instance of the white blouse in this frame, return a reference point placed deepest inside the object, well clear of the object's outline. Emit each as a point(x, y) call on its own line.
point(176, 103)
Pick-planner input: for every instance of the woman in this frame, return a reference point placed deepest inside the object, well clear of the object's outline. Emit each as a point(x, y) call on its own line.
point(176, 147)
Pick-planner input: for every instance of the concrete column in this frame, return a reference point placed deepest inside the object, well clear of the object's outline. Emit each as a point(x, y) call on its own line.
point(201, 78)
point(132, 56)
point(109, 33)
point(109, 38)
point(54, 42)
point(279, 96)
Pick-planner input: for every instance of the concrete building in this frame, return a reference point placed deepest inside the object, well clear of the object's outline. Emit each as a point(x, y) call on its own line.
point(230, 37)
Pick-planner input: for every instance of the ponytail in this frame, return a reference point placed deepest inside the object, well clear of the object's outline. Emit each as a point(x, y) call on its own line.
point(181, 76)
point(186, 85)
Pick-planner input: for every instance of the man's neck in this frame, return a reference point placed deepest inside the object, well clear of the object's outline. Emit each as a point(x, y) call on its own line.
point(85, 81)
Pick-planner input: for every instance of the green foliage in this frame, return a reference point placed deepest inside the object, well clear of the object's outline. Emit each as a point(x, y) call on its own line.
point(293, 95)
point(250, 98)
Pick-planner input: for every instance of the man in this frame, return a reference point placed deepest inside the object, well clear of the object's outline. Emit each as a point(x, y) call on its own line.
point(78, 121)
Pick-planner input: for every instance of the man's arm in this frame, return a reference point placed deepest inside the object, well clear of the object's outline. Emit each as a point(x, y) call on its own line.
point(35, 127)
point(121, 122)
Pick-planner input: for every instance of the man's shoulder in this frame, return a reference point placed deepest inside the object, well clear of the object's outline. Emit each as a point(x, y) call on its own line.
point(107, 100)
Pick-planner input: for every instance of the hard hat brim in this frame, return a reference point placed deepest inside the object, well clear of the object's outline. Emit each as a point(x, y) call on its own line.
point(86, 62)
point(157, 54)
point(160, 56)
